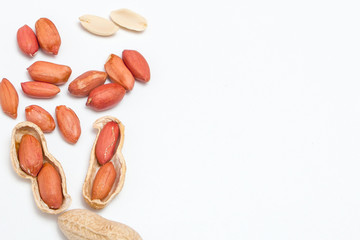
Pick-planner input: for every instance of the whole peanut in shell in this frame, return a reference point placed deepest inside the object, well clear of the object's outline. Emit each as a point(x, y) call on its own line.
point(81, 224)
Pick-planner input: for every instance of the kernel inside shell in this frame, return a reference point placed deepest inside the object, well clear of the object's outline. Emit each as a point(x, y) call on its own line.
point(32, 129)
point(117, 160)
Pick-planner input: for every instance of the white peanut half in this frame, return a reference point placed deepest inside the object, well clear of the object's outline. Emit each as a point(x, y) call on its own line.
point(129, 19)
point(98, 25)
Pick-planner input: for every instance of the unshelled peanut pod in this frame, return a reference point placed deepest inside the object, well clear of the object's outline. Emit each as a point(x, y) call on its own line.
point(29, 128)
point(81, 224)
point(117, 163)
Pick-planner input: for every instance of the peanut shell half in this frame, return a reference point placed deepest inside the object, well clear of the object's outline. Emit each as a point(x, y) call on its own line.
point(118, 161)
point(32, 129)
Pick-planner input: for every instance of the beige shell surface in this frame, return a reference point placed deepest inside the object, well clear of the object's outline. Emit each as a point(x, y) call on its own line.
point(80, 224)
point(129, 19)
point(32, 129)
point(118, 161)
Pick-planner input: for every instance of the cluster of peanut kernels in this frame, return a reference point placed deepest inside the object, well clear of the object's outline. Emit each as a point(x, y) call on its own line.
point(47, 77)
point(29, 152)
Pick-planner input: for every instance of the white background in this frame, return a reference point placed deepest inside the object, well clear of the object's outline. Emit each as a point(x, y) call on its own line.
point(248, 129)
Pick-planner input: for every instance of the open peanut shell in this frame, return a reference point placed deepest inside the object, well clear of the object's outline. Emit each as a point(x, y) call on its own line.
point(32, 129)
point(117, 160)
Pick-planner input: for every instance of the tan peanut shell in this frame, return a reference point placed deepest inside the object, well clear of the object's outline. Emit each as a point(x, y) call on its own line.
point(118, 161)
point(32, 129)
point(81, 224)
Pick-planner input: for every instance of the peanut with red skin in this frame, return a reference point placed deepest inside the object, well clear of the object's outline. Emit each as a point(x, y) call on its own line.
point(105, 96)
point(119, 73)
point(39, 89)
point(86, 82)
point(48, 36)
point(49, 72)
point(107, 142)
point(137, 65)
point(30, 155)
point(103, 181)
point(69, 123)
point(50, 186)
point(9, 99)
point(40, 117)
point(27, 41)
point(21, 129)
